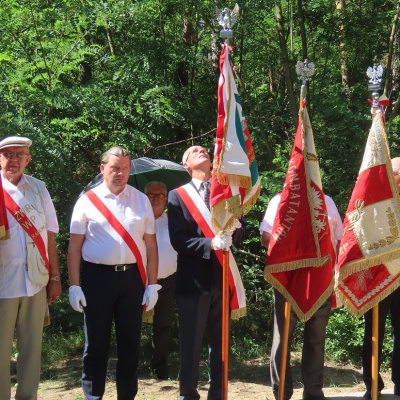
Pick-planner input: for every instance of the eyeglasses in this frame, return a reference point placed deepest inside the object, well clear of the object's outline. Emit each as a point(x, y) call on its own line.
point(11, 154)
point(152, 196)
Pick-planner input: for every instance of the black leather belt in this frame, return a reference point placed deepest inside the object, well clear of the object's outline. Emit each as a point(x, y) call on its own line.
point(117, 268)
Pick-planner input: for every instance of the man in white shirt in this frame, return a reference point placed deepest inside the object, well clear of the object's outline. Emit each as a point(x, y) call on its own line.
point(312, 362)
point(113, 237)
point(164, 309)
point(29, 271)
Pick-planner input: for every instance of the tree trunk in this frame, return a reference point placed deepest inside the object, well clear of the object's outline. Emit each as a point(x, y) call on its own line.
point(286, 64)
point(302, 29)
point(389, 67)
point(340, 5)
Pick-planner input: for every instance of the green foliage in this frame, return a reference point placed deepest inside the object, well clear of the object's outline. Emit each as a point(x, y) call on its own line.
point(80, 76)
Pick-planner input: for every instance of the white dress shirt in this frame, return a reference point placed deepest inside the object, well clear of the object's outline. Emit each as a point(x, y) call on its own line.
point(102, 244)
point(166, 254)
point(14, 281)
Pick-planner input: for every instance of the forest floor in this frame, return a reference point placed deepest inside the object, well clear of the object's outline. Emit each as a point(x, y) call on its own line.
point(247, 380)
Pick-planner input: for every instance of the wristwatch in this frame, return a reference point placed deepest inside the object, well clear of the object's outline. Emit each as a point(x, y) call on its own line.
point(55, 278)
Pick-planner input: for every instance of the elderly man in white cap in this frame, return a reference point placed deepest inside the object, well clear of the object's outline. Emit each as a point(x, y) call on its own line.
point(29, 271)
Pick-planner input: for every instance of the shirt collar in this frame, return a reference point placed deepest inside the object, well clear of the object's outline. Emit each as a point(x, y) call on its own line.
point(103, 191)
point(197, 183)
point(21, 182)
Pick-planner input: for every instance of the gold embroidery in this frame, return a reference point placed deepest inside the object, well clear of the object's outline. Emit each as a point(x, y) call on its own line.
point(354, 217)
point(394, 230)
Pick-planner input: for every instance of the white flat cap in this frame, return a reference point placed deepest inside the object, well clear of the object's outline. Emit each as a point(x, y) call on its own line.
point(12, 141)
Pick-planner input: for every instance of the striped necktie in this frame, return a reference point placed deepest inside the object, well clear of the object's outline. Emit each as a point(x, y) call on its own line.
point(205, 193)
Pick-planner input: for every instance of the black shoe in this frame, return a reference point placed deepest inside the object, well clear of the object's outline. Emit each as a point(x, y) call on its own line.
point(275, 392)
point(367, 395)
point(396, 390)
point(313, 397)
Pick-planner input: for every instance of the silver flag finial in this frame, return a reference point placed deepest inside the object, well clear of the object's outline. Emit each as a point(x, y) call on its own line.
point(304, 70)
point(375, 74)
point(227, 18)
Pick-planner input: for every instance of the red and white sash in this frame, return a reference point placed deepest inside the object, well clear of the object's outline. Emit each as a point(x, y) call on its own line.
point(201, 214)
point(119, 228)
point(28, 218)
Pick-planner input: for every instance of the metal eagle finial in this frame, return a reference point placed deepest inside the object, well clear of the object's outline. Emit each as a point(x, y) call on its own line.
point(304, 70)
point(375, 74)
point(227, 18)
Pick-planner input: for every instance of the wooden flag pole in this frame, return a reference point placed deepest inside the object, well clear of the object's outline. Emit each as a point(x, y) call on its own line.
point(284, 340)
point(375, 361)
point(225, 324)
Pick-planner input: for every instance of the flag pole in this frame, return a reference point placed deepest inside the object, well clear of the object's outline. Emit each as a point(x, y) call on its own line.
point(374, 361)
point(226, 19)
point(375, 74)
point(305, 71)
point(225, 324)
point(285, 341)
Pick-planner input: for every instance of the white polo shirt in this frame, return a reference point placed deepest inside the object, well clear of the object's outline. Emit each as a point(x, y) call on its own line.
point(14, 281)
point(102, 244)
point(334, 219)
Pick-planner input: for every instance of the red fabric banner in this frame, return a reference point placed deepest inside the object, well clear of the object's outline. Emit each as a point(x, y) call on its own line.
point(235, 184)
point(300, 256)
point(368, 267)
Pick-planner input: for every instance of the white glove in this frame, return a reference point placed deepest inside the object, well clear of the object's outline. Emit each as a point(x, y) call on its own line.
point(77, 298)
point(222, 241)
point(150, 296)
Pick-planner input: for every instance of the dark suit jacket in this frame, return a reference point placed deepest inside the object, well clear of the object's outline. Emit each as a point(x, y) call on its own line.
point(198, 268)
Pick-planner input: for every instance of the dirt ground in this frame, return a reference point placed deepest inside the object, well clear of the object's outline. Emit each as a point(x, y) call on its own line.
point(248, 380)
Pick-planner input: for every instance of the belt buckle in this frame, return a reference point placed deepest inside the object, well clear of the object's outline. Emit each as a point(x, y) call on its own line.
point(120, 267)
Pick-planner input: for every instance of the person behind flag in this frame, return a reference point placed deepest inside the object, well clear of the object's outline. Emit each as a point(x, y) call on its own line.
point(389, 303)
point(199, 275)
point(312, 360)
point(113, 237)
point(29, 271)
point(164, 309)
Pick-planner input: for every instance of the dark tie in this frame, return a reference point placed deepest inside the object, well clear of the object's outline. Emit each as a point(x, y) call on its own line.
point(205, 193)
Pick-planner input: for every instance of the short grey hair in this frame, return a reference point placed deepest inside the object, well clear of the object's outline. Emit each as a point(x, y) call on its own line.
point(155, 183)
point(117, 151)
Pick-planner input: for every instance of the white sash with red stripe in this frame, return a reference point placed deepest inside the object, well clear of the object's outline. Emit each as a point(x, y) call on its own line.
point(120, 229)
point(33, 225)
point(201, 214)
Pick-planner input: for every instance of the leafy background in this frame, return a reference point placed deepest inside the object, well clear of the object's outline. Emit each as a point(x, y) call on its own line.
point(79, 76)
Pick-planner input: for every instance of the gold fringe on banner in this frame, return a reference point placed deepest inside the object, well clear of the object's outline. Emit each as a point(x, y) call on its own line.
point(358, 312)
point(234, 180)
point(292, 265)
point(239, 313)
point(304, 317)
point(147, 316)
point(362, 264)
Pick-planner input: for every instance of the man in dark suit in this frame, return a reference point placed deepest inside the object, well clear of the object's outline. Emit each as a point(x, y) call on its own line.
point(199, 275)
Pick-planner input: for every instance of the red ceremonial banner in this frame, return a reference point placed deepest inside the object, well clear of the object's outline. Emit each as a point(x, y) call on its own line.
point(368, 267)
point(300, 255)
point(235, 184)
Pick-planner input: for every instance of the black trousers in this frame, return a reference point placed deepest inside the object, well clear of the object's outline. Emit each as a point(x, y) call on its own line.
point(162, 322)
point(313, 352)
point(390, 303)
point(111, 296)
point(195, 313)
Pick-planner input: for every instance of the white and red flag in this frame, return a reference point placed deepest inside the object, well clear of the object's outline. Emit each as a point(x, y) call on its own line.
point(368, 267)
point(235, 184)
point(300, 255)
